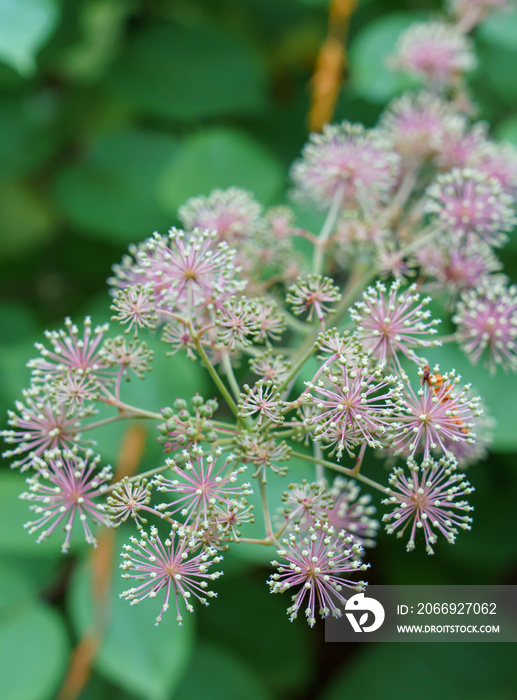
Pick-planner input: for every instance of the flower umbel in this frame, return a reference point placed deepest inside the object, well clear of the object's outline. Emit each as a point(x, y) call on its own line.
point(391, 323)
point(426, 500)
point(64, 489)
point(320, 564)
point(173, 565)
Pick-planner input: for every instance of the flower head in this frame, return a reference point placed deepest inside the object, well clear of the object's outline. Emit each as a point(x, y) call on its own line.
point(434, 52)
point(127, 500)
point(232, 213)
point(306, 503)
point(185, 271)
point(426, 499)
point(415, 124)
point(440, 410)
point(346, 163)
point(313, 294)
point(134, 305)
point(319, 563)
point(201, 484)
point(64, 489)
point(487, 321)
point(262, 399)
point(73, 354)
point(270, 367)
point(127, 355)
point(456, 268)
point(392, 323)
point(173, 566)
point(38, 426)
point(352, 404)
point(264, 453)
point(470, 205)
point(352, 511)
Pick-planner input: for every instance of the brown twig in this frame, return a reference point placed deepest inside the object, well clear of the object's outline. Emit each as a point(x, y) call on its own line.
point(83, 655)
point(330, 65)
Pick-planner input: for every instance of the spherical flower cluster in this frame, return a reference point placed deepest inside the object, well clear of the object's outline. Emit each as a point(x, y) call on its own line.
point(74, 363)
point(233, 214)
point(202, 485)
point(317, 563)
point(441, 410)
point(127, 500)
point(313, 294)
point(456, 268)
point(426, 499)
point(306, 504)
point(270, 367)
point(263, 399)
point(434, 52)
point(187, 272)
point(391, 323)
point(263, 453)
point(416, 123)
point(346, 164)
point(38, 426)
point(353, 512)
point(351, 408)
point(135, 306)
point(176, 566)
point(499, 162)
point(459, 144)
point(469, 205)
point(65, 488)
point(183, 428)
point(127, 355)
point(487, 322)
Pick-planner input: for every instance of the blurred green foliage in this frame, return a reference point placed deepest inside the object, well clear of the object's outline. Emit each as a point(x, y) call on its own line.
point(112, 113)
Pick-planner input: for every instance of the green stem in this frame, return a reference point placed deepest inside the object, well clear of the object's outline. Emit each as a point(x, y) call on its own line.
point(213, 373)
point(265, 509)
point(111, 419)
point(319, 253)
point(341, 470)
point(137, 412)
point(143, 475)
point(228, 370)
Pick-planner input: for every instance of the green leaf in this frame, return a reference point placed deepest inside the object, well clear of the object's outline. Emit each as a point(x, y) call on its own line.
point(34, 651)
point(25, 25)
point(220, 158)
point(18, 322)
point(25, 222)
point(370, 74)
point(113, 192)
point(189, 71)
point(379, 671)
point(224, 677)
point(25, 138)
point(494, 73)
point(15, 586)
point(279, 651)
point(507, 130)
point(500, 30)
point(145, 659)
